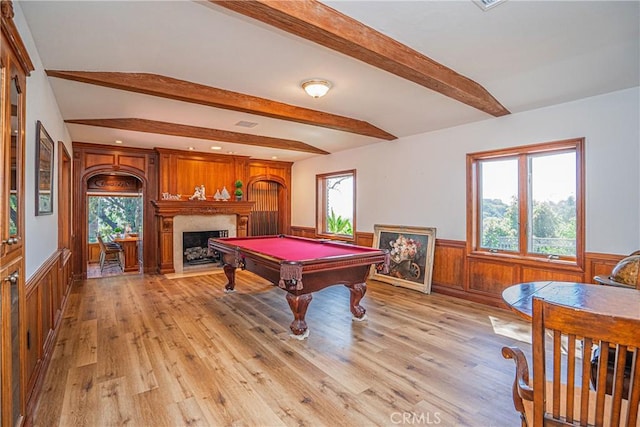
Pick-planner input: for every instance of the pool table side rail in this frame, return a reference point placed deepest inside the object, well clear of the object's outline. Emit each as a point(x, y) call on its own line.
point(282, 269)
point(328, 242)
point(300, 277)
point(367, 255)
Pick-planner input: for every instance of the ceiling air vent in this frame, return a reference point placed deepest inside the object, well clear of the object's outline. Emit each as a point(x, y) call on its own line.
point(246, 124)
point(488, 4)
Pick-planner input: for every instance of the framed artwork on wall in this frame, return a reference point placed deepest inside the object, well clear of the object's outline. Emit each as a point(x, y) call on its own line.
point(44, 171)
point(411, 252)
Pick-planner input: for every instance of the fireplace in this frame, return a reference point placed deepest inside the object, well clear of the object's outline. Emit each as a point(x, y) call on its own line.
point(184, 225)
point(195, 250)
point(178, 216)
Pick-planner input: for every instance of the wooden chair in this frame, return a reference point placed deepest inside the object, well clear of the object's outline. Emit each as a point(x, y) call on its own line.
point(556, 396)
point(110, 253)
point(609, 281)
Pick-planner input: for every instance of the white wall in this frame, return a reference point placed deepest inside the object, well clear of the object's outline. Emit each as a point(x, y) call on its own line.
point(421, 180)
point(41, 237)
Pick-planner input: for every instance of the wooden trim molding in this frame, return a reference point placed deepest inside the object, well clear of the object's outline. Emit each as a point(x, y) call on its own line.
point(175, 129)
point(169, 208)
point(181, 90)
point(323, 25)
point(13, 36)
point(42, 271)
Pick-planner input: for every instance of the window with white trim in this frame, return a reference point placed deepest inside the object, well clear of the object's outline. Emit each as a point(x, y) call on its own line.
point(336, 206)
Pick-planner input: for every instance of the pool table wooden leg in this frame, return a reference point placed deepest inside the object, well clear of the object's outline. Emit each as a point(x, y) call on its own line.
point(230, 272)
point(357, 293)
point(299, 305)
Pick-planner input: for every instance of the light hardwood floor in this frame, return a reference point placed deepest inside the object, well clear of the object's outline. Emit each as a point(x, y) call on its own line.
point(153, 351)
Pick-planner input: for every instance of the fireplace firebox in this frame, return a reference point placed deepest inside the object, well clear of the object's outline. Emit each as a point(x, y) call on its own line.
point(195, 250)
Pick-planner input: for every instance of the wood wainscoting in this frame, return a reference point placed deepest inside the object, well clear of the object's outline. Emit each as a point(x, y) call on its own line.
point(482, 279)
point(46, 297)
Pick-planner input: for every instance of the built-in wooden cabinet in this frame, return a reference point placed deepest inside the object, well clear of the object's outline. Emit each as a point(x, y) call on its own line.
point(12, 310)
point(15, 65)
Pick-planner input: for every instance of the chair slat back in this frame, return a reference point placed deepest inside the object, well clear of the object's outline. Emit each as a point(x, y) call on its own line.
point(568, 400)
point(103, 247)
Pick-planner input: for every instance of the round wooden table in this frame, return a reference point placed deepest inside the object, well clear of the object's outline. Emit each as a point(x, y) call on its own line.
point(595, 298)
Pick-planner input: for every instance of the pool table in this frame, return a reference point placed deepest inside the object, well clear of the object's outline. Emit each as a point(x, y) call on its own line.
point(301, 266)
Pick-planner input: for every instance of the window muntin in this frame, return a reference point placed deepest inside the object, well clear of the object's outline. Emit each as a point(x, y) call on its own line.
point(336, 211)
point(528, 201)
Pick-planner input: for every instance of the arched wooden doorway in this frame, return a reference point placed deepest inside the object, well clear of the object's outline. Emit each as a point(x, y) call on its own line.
point(271, 210)
point(92, 159)
point(115, 212)
point(88, 182)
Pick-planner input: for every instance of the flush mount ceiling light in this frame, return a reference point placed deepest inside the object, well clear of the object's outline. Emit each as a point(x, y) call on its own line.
point(316, 87)
point(246, 124)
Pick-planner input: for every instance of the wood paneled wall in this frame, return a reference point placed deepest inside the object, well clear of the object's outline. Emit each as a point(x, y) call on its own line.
point(482, 279)
point(180, 171)
point(165, 171)
point(46, 296)
point(92, 159)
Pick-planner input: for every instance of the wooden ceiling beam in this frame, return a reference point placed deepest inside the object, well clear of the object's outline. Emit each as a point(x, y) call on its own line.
point(181, 90)
point(175, 129)
point(324, 25)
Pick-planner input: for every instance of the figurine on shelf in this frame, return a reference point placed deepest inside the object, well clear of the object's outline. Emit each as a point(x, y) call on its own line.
point(168, 196)
point(217, 197)
point(198, 194)
point(225, 194)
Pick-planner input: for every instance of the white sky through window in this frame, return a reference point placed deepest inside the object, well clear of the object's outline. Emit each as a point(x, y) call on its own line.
point(554, 178)
point(340, 198)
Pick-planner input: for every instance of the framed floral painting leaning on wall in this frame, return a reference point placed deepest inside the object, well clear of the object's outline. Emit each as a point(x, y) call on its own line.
point(411, 255)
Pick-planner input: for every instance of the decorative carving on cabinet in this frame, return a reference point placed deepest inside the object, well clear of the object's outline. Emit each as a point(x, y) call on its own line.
point(243, 221)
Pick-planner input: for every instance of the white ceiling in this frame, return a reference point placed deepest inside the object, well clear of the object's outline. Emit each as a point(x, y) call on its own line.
point(527, 54)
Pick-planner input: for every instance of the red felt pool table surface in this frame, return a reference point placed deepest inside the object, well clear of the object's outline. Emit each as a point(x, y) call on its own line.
point(296, 249)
